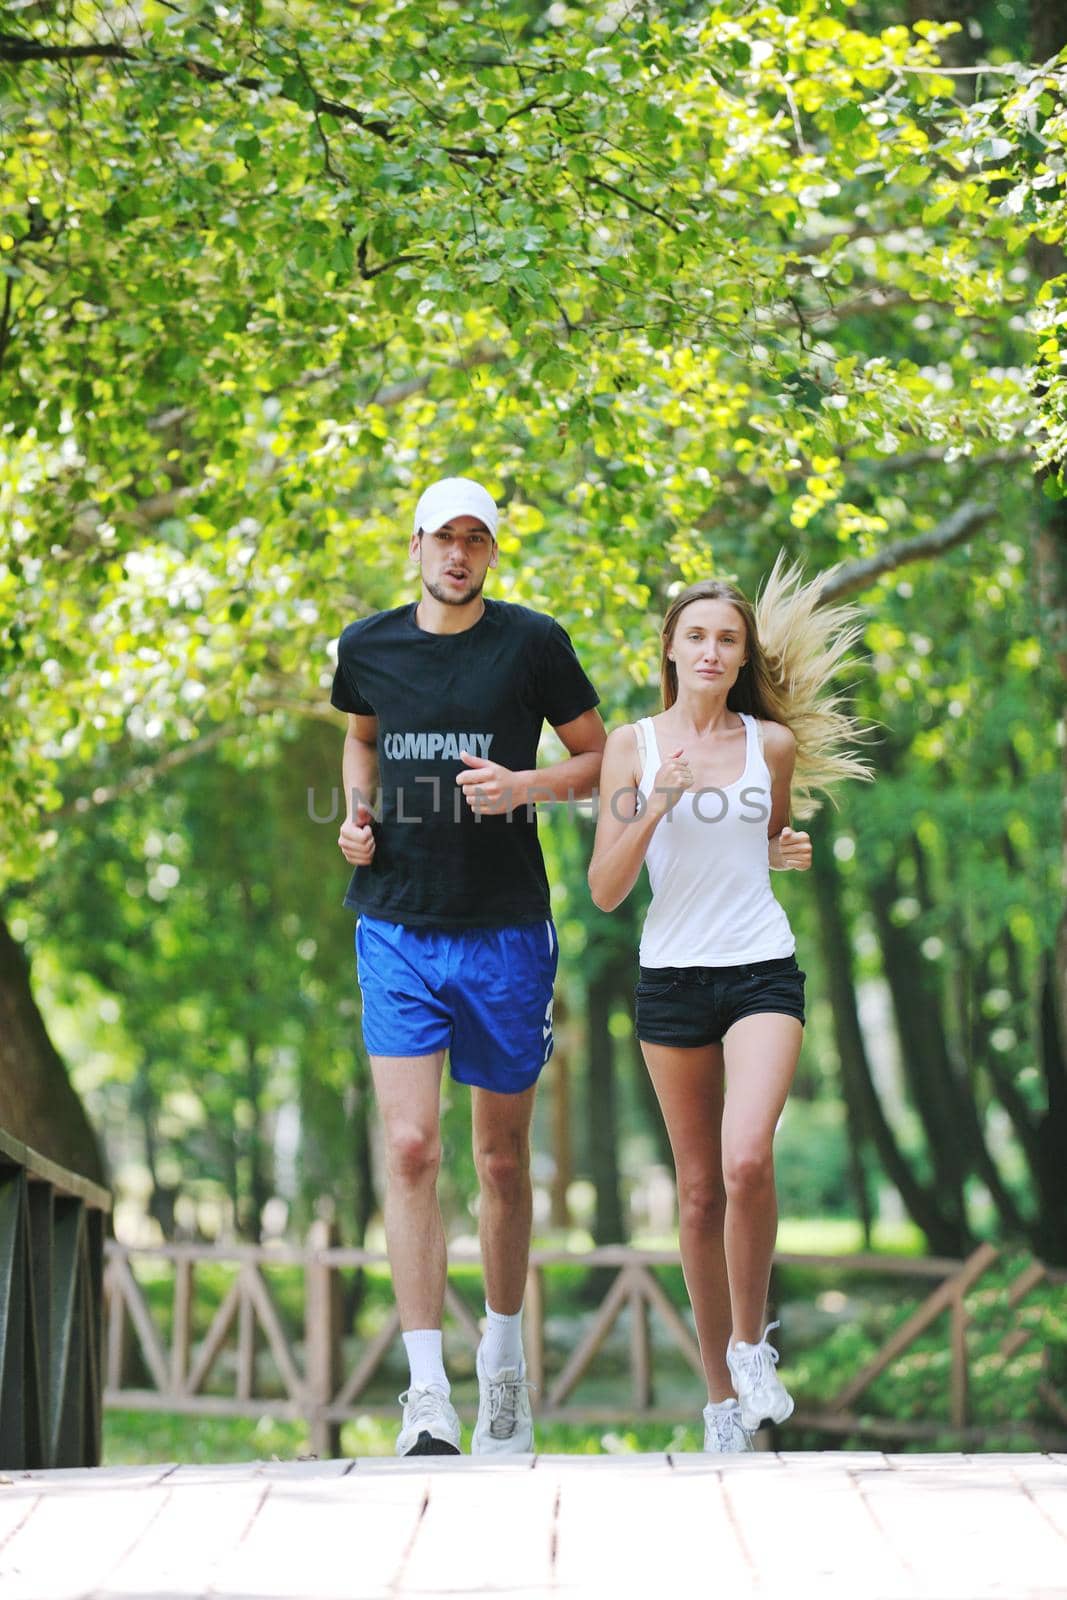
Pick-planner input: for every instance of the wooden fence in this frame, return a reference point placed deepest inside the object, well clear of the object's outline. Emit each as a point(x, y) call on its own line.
point(317, 1385)
point(51, 1270)
point(311, 1378)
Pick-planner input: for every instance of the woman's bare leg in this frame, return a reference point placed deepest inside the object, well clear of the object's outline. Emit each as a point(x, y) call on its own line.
point(761, 1056)
point(689, 1087)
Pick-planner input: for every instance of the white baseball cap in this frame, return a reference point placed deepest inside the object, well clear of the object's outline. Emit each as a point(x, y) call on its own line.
point(455, 497)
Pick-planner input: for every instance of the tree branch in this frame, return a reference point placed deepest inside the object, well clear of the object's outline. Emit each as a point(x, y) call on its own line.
point(140, 776)
point(5, 318)
point(639, 205)
point(482, 355)
point(956, 527)
point(934, 455)
point(866, 466)
point(383, 266)
point(16, 49)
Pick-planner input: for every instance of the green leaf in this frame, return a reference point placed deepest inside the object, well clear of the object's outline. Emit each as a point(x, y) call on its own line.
point(342, 256)
point(297, 88)
point(847, 118)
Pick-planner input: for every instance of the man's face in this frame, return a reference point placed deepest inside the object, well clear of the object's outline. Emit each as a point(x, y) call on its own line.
point(455, 559)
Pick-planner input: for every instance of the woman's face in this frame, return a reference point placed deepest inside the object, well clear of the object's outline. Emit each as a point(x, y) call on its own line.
point(709, 644)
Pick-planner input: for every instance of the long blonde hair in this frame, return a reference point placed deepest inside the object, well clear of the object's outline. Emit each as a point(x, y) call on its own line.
point(795, 647)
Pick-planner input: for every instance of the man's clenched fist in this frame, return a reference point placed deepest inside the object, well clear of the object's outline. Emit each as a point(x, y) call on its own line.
point(356, 838)
point(488, 788)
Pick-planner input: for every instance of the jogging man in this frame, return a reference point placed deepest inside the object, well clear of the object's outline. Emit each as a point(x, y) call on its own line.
point(456, 950)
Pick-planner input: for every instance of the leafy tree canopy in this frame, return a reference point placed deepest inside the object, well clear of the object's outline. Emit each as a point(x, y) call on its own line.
point(674, 286)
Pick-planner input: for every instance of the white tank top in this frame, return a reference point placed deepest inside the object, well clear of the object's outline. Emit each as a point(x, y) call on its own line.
point(712, 902)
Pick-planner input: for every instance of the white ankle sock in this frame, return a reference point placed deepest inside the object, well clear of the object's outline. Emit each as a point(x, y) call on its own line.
point(425, 1359)
point(502, 1341)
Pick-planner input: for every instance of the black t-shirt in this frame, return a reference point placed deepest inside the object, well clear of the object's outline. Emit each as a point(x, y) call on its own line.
point(488, 691)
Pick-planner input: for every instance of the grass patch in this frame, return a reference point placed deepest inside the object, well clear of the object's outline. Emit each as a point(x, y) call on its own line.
point(833, 1236)
point(133, 1438)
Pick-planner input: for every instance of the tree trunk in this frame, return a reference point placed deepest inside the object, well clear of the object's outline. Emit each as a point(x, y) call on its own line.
point(923, 1052)
point(560, 1105)
point(943, 1091)
point(1048, 28)
point(366, 1199)
point(1050, 1239)
point(1048, 34)
point(960, 1076)
point(837, 960)
point(1000, 1071)
point(365, 1202)
point(259, 1183)
point(37, 1102)
point(608, 1225)
point(162, 1198)
point(1051, 567)
point(922, 1203)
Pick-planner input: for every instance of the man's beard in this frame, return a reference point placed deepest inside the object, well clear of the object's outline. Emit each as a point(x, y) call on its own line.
point(448, 597)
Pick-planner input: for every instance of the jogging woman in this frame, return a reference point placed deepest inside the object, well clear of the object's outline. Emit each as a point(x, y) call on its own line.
point(702, 794)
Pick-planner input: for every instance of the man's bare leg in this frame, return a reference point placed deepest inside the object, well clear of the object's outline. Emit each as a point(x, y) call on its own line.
point(501, 1126)
point(408, 1091)
point(501, 1129)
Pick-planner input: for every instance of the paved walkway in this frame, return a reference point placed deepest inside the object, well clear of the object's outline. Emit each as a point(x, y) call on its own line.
point(838, 1524)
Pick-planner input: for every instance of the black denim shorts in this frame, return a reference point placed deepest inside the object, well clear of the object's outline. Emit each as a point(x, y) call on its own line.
point(692, 1006)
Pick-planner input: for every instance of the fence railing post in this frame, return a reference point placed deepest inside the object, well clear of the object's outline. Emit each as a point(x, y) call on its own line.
point(328, 1382)
point(51, 1306)
point(181, 1323)
point(322, 1339)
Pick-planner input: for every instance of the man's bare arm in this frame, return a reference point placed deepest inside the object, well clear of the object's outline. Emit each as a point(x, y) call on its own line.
point(359, 763)
point(359, 769)
point(491, 789)
point(576, 777)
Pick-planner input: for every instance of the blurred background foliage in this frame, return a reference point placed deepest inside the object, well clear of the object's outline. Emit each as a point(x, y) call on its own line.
point(684, 285)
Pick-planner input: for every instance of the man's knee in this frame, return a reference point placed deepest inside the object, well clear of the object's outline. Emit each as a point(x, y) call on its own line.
point(504, 1168)
point(413, 1153)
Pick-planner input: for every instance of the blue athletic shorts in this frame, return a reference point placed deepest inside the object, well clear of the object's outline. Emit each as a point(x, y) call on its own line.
point(482, 994)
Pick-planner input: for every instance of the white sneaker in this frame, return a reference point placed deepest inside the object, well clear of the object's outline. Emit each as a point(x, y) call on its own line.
point(505, 1423)
point(430, 1426)
point(724, 1434)
point(759, 1388)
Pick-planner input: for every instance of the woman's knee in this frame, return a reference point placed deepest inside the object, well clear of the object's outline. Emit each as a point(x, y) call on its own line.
point(748, 1172)
point(701, 1201)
